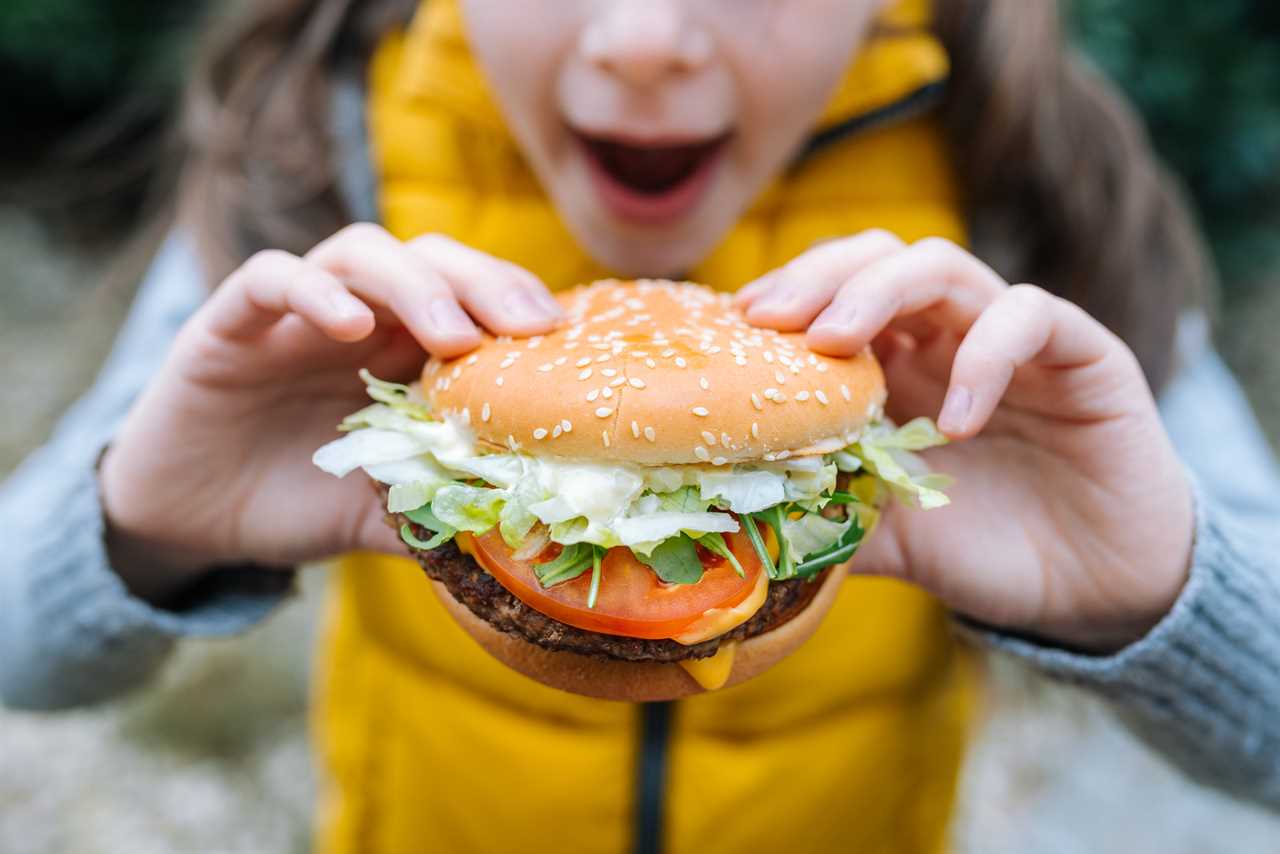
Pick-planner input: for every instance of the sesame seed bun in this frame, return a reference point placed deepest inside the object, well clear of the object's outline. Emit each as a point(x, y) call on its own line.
point(658, 373)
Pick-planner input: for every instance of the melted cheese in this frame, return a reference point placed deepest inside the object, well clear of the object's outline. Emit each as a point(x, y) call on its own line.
point(711, 673)
point(717, 621)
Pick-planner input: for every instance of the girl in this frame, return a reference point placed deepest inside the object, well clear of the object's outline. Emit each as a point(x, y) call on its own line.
point(837, 154)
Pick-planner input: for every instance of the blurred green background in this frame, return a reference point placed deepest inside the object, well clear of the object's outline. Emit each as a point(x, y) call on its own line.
point(214, 758)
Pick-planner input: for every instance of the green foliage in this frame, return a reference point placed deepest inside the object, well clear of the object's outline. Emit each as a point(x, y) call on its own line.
point(1206, 77)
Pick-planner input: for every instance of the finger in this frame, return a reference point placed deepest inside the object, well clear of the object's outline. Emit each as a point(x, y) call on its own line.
point(933, 274)
point(504, 297)
point(381, 269)
point(271, 284)
point(1025, 325)
point(790, 297)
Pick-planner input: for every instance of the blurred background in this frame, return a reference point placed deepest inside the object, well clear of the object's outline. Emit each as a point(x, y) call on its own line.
point(213, 758)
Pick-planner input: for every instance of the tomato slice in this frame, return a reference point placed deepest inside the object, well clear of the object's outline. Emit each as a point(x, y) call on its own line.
point(633, 601)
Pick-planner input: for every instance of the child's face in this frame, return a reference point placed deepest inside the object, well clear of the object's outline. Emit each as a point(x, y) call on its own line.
point(654, 123)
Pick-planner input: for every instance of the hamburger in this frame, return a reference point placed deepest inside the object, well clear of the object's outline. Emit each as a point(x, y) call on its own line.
point(654, 500)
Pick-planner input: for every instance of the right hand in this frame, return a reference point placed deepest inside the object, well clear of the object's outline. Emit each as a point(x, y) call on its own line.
point(213, 463)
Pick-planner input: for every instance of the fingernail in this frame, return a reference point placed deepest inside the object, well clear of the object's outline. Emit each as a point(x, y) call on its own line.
point(834, 320)
point(955, 410)
point(449, 318)
point(551, 303)
point(770, 302)
point(345, 306)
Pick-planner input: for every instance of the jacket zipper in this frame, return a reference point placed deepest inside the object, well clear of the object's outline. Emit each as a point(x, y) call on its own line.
point(651, 776)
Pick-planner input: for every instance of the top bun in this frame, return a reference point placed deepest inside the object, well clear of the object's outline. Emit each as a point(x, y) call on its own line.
point(657, 372)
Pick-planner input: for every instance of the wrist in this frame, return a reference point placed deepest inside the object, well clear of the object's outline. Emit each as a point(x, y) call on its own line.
point(152, 567)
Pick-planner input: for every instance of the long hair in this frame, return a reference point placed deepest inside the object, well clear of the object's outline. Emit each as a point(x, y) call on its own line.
point(1060, 184)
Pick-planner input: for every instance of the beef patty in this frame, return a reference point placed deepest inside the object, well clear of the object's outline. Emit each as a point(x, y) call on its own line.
point(468, 582)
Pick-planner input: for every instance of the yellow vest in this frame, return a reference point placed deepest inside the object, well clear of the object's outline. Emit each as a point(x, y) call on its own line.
point(852, 744)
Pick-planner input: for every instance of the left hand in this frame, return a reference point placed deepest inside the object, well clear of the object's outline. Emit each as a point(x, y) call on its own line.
point(1071, 516)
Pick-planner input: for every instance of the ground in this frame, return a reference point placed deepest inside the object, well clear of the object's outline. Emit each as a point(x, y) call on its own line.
point(214, 757)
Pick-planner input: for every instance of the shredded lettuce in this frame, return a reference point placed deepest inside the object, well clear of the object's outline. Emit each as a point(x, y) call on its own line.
point(745, 491)
point(811, 533)
point(886, 454)
point(468, 508)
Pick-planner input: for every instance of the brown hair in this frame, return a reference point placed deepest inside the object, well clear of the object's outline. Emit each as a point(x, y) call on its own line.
point(1062, 188)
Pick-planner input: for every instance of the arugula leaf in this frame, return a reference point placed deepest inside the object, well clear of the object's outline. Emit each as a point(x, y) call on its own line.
point(838, 552)
point(757, 542)
point(675, 561)
point(570, 563)
point(597, 555)
point(773, 518)
point(714, 542)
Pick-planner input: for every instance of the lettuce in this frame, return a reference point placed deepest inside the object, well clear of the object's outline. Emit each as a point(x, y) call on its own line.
point(399, 397)
point(811, 533)
point(643, 533)
point(468, 508)
point(886, 453)
point(516, 519)
point(675, 561)
point(368, 447)
point(743, 491)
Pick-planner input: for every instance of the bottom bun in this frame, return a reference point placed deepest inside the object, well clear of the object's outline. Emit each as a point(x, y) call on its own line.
point(609, 679)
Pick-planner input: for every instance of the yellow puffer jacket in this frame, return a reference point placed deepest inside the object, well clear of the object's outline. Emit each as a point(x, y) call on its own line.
point(851, 744)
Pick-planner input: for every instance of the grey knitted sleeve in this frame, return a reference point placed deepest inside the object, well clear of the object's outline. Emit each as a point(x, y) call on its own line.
point(1204, 685)
point(70, 632)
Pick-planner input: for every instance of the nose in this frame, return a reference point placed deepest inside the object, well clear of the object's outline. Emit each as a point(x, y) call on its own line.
point(644, 41)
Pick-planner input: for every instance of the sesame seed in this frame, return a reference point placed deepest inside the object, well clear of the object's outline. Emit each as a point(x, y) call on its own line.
point(472, 359)
point(681, 363)
point(650, 434)
point(604, 437)
point(725, 441)
point(604, 412)
point(844, 392)
point(608, 372)
point(545, 367)
point(583, 362)
point(636, 382)
point(512, 443)
point(821, 396)
point(780, 377)
point(822, 367)
point(802, 396)
point(755, 430)
point(701, 453)
point(593, 394)
point(770, 393)
point(603, 358)
point(719, 461)
point(617, 382)
point(779, 398)
point(567, 425)
point(506, 363)
point(700, 411)
point(456, 372)
point(485, 412)
point(561, 360)
point(709, 437)
point(540, 433)
point(755, 401)
point(768, 356)
point(635, 429)
point(606, 392)
point(668, 353)
point(650, 363)
point(782, 455)
point(702, 382)
point(497, 380)
point(739, 361)
point(466, 415)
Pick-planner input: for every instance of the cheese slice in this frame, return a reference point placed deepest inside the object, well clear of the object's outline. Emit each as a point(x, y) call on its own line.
point(711, 673)
point(717, 621)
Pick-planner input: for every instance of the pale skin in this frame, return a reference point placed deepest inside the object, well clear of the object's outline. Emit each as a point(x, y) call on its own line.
point(1071, 517)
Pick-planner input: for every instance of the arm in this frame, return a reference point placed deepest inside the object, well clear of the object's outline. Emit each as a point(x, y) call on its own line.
point(69, 630)
point(1204, 685)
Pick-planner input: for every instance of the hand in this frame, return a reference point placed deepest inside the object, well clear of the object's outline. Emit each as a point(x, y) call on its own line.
point(1071, 517)
point(213, 463)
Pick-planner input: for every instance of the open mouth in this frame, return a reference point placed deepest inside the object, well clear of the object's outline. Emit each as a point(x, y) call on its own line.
point(651, 182)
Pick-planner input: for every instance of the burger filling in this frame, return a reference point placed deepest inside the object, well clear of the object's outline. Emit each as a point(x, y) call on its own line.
point(589, 523)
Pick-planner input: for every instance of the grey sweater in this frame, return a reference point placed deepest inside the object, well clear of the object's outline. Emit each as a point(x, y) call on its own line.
point(1203, 686)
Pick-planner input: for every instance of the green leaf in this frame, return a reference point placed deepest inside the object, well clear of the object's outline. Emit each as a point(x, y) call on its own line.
point(468, 508)
point(597, 556)
point(683, 500)
point(424, 517)
point(675, 561)
point(399, 397)
point(838, 552)
point(571, 562)
point(714, 542)
point(786, 561)
point(440, 538)
point(757, 542)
